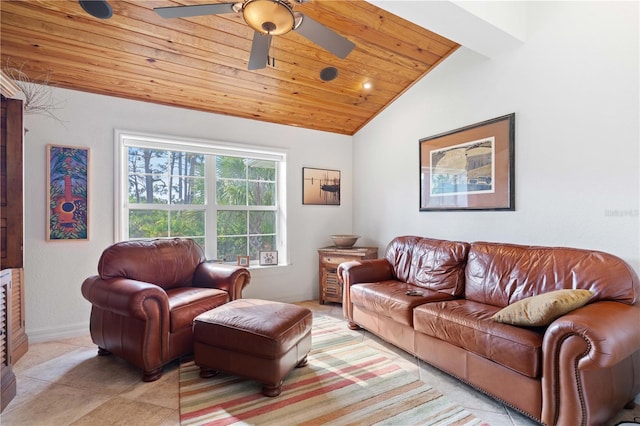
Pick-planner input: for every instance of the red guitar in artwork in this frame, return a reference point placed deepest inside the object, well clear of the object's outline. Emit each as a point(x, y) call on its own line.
point(66, 206)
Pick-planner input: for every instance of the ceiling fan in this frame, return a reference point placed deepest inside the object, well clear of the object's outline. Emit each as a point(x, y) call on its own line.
point(268, 18)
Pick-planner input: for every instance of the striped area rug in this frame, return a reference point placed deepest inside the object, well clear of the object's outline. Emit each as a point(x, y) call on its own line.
point(345, 383)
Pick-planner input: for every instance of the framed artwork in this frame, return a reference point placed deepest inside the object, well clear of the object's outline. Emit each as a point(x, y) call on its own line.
point(244, 261)
point(268, 258)
point(67, 193)
point(471, 168)
point(320, 186)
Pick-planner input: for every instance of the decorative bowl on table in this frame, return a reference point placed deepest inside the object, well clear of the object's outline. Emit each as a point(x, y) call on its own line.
point(344, 241)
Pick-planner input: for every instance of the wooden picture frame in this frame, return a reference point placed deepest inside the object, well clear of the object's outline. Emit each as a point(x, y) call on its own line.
point(67, 193)
point(320, 186)
point(244, 261)
point(471, 168)
point(268, 258)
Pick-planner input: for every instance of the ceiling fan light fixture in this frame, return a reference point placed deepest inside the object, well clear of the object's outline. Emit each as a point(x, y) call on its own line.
point(273, 17)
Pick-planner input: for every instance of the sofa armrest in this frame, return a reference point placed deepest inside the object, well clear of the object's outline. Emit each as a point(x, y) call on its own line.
point(588, 342)
point(361, 271)
point(365, 271)
point(610, 329)
point(230, 278)
point(126, 297)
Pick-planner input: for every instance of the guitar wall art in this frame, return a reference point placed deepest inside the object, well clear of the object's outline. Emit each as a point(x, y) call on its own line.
point(68, 193)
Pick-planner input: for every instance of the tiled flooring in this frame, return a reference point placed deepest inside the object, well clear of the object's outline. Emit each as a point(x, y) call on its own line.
point(65, 383)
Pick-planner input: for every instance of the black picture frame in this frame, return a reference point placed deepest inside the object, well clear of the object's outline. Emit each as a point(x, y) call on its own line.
point(470, 168)
point(320, 186)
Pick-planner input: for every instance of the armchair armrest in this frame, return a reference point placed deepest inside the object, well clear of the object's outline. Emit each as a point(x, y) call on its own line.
point(230, 278)
point(361, 271)
point(125, 296)
point(585, 346)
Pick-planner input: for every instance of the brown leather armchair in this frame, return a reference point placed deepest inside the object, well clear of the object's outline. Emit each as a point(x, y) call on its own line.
point(146, 295)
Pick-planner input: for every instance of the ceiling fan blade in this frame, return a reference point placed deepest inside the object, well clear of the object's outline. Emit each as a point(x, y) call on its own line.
point(259, 51)
point(324, 37)
point(194, 10)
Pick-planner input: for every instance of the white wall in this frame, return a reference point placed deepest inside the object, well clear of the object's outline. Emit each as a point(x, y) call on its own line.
point(55, 270)
point(574, 88)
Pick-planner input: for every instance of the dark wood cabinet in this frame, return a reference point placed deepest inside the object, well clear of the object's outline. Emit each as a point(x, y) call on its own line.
point(14, 338)
point(330, 288)
point(11, 198)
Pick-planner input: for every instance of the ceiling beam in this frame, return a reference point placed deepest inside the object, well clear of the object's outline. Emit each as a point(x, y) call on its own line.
point(488, 28)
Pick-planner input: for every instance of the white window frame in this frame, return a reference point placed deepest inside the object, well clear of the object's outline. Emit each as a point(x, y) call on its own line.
point(124, 139)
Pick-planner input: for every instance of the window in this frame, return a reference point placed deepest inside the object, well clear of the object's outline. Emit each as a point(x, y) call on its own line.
point(226, 197)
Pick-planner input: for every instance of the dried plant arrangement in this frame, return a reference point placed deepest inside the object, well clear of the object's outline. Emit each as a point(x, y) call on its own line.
point(37, 92)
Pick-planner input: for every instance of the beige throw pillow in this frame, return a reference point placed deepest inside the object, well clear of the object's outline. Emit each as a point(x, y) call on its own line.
point(544, 308)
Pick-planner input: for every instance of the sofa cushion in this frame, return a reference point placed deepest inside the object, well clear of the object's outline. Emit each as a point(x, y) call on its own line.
point(439, 265)
point(542, 309)
point(501, 274)
point(186, 303)
point(390, 299)
point(468, 325)
point(426, 262)
point(399, 253)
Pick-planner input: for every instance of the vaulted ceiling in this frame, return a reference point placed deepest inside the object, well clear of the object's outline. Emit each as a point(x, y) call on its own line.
point(201, 62)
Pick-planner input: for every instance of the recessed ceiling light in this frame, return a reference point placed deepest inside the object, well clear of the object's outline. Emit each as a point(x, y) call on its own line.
point(366, 85)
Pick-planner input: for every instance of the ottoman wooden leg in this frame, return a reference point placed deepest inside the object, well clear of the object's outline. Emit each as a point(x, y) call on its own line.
point(303, 362)
point(103, 352)
point(207, 373)
point(271, 391)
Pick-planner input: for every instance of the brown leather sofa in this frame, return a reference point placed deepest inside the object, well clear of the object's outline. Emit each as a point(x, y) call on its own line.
point(146, 295)
point(580, 369)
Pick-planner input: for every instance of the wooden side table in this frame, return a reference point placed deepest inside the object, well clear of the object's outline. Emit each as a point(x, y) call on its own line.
point(330, 288)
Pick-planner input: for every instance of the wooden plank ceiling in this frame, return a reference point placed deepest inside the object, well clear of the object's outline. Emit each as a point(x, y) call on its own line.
point(201, 62)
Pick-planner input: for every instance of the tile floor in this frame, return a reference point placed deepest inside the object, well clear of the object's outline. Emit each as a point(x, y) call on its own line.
point(65, 383)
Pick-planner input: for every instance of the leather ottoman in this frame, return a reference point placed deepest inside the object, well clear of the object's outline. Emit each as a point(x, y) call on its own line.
point(257, 339)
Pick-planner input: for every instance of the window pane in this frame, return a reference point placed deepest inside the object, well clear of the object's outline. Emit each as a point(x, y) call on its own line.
point(148, 223)
point(187, 190)
point(232, 223)
point(144, 160)
point(137, 189)
point(187, 164)
point(160, 189)
point(231, 192)
point(262, 194)
point(187, 223)
point(138, 185)
point(262, 222)
point(263, 242)
point(230, 167)
point(262, 170)
point(229, 248)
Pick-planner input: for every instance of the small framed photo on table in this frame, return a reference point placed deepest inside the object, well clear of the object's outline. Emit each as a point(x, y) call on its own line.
point(268, 258)
point(244, 261)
